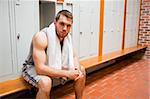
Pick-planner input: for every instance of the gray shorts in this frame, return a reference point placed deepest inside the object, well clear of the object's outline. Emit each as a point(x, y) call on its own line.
point(30, 75)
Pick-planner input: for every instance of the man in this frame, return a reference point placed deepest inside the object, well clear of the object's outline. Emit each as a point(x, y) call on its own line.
point(51, 57)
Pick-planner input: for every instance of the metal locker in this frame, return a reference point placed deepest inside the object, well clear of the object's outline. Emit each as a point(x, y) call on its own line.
point(6, 62)
point(27, 24)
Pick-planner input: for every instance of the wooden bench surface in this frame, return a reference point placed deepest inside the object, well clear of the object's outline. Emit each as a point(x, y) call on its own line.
point(19, 84)
point(13, 86)
point(107, 57)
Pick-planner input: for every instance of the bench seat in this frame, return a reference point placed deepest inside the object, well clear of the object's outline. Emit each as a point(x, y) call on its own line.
point(110, 56)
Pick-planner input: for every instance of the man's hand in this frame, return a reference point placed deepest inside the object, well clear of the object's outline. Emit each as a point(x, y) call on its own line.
point(80, 75)
point(73, 74)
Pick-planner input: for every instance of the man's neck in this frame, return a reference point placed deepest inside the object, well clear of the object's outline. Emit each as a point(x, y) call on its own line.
point(61, 39)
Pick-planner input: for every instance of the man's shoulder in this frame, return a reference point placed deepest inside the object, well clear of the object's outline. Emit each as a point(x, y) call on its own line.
point(40, 38)
point(40, 35)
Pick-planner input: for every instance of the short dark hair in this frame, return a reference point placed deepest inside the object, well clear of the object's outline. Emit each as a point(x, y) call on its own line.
point(66, 13)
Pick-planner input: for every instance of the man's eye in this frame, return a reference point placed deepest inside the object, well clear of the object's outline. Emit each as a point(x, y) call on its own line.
point(68, 26)
point(62, 24)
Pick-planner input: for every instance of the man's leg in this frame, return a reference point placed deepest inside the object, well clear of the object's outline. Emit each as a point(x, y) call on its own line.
point(44, 88)
point(80, 84)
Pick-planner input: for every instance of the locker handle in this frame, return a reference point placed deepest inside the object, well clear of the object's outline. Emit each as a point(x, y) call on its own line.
point(81, 33)
point(69, 3)
point(18, 2)
point(18, 36)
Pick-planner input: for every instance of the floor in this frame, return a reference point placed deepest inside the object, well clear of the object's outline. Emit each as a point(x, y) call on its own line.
point(127, 79)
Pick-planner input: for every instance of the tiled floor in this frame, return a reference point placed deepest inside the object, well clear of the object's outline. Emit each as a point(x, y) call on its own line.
point(128, 79)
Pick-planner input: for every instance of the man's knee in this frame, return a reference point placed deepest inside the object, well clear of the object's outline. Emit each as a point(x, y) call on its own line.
point(83, 76)
point(45, 84)
point(83, 70)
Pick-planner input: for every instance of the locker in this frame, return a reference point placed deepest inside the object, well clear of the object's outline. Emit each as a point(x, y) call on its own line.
point(84, 32)
point(58, 7)
point(113, 25)
point(132, 20)
point(6, 63)
point(75, 28)
point(94, 29)
point(27, 20)
point(46, 13)
point(88, 29)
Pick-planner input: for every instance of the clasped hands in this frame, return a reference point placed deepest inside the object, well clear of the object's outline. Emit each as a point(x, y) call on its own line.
point(74, 74)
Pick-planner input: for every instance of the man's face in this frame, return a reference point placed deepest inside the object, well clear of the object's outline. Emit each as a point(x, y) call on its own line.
point(63, 26)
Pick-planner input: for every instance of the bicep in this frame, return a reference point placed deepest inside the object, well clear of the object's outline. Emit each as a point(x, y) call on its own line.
point(39, 54)
point(39, 57)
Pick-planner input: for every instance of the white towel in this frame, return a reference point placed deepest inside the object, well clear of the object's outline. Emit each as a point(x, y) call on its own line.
point(56, 58)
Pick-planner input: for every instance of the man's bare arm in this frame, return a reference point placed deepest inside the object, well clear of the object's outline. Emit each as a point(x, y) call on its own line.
point(76, 60)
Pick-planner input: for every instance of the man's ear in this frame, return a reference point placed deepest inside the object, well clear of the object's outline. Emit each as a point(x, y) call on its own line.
point(55, 21)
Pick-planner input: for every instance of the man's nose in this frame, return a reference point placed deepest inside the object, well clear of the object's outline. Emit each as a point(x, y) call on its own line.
point(65, 27)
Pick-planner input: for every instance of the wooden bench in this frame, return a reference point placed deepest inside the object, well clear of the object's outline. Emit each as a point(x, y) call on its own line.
point(12, 86)
point(110, 56)
point(19, 84)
